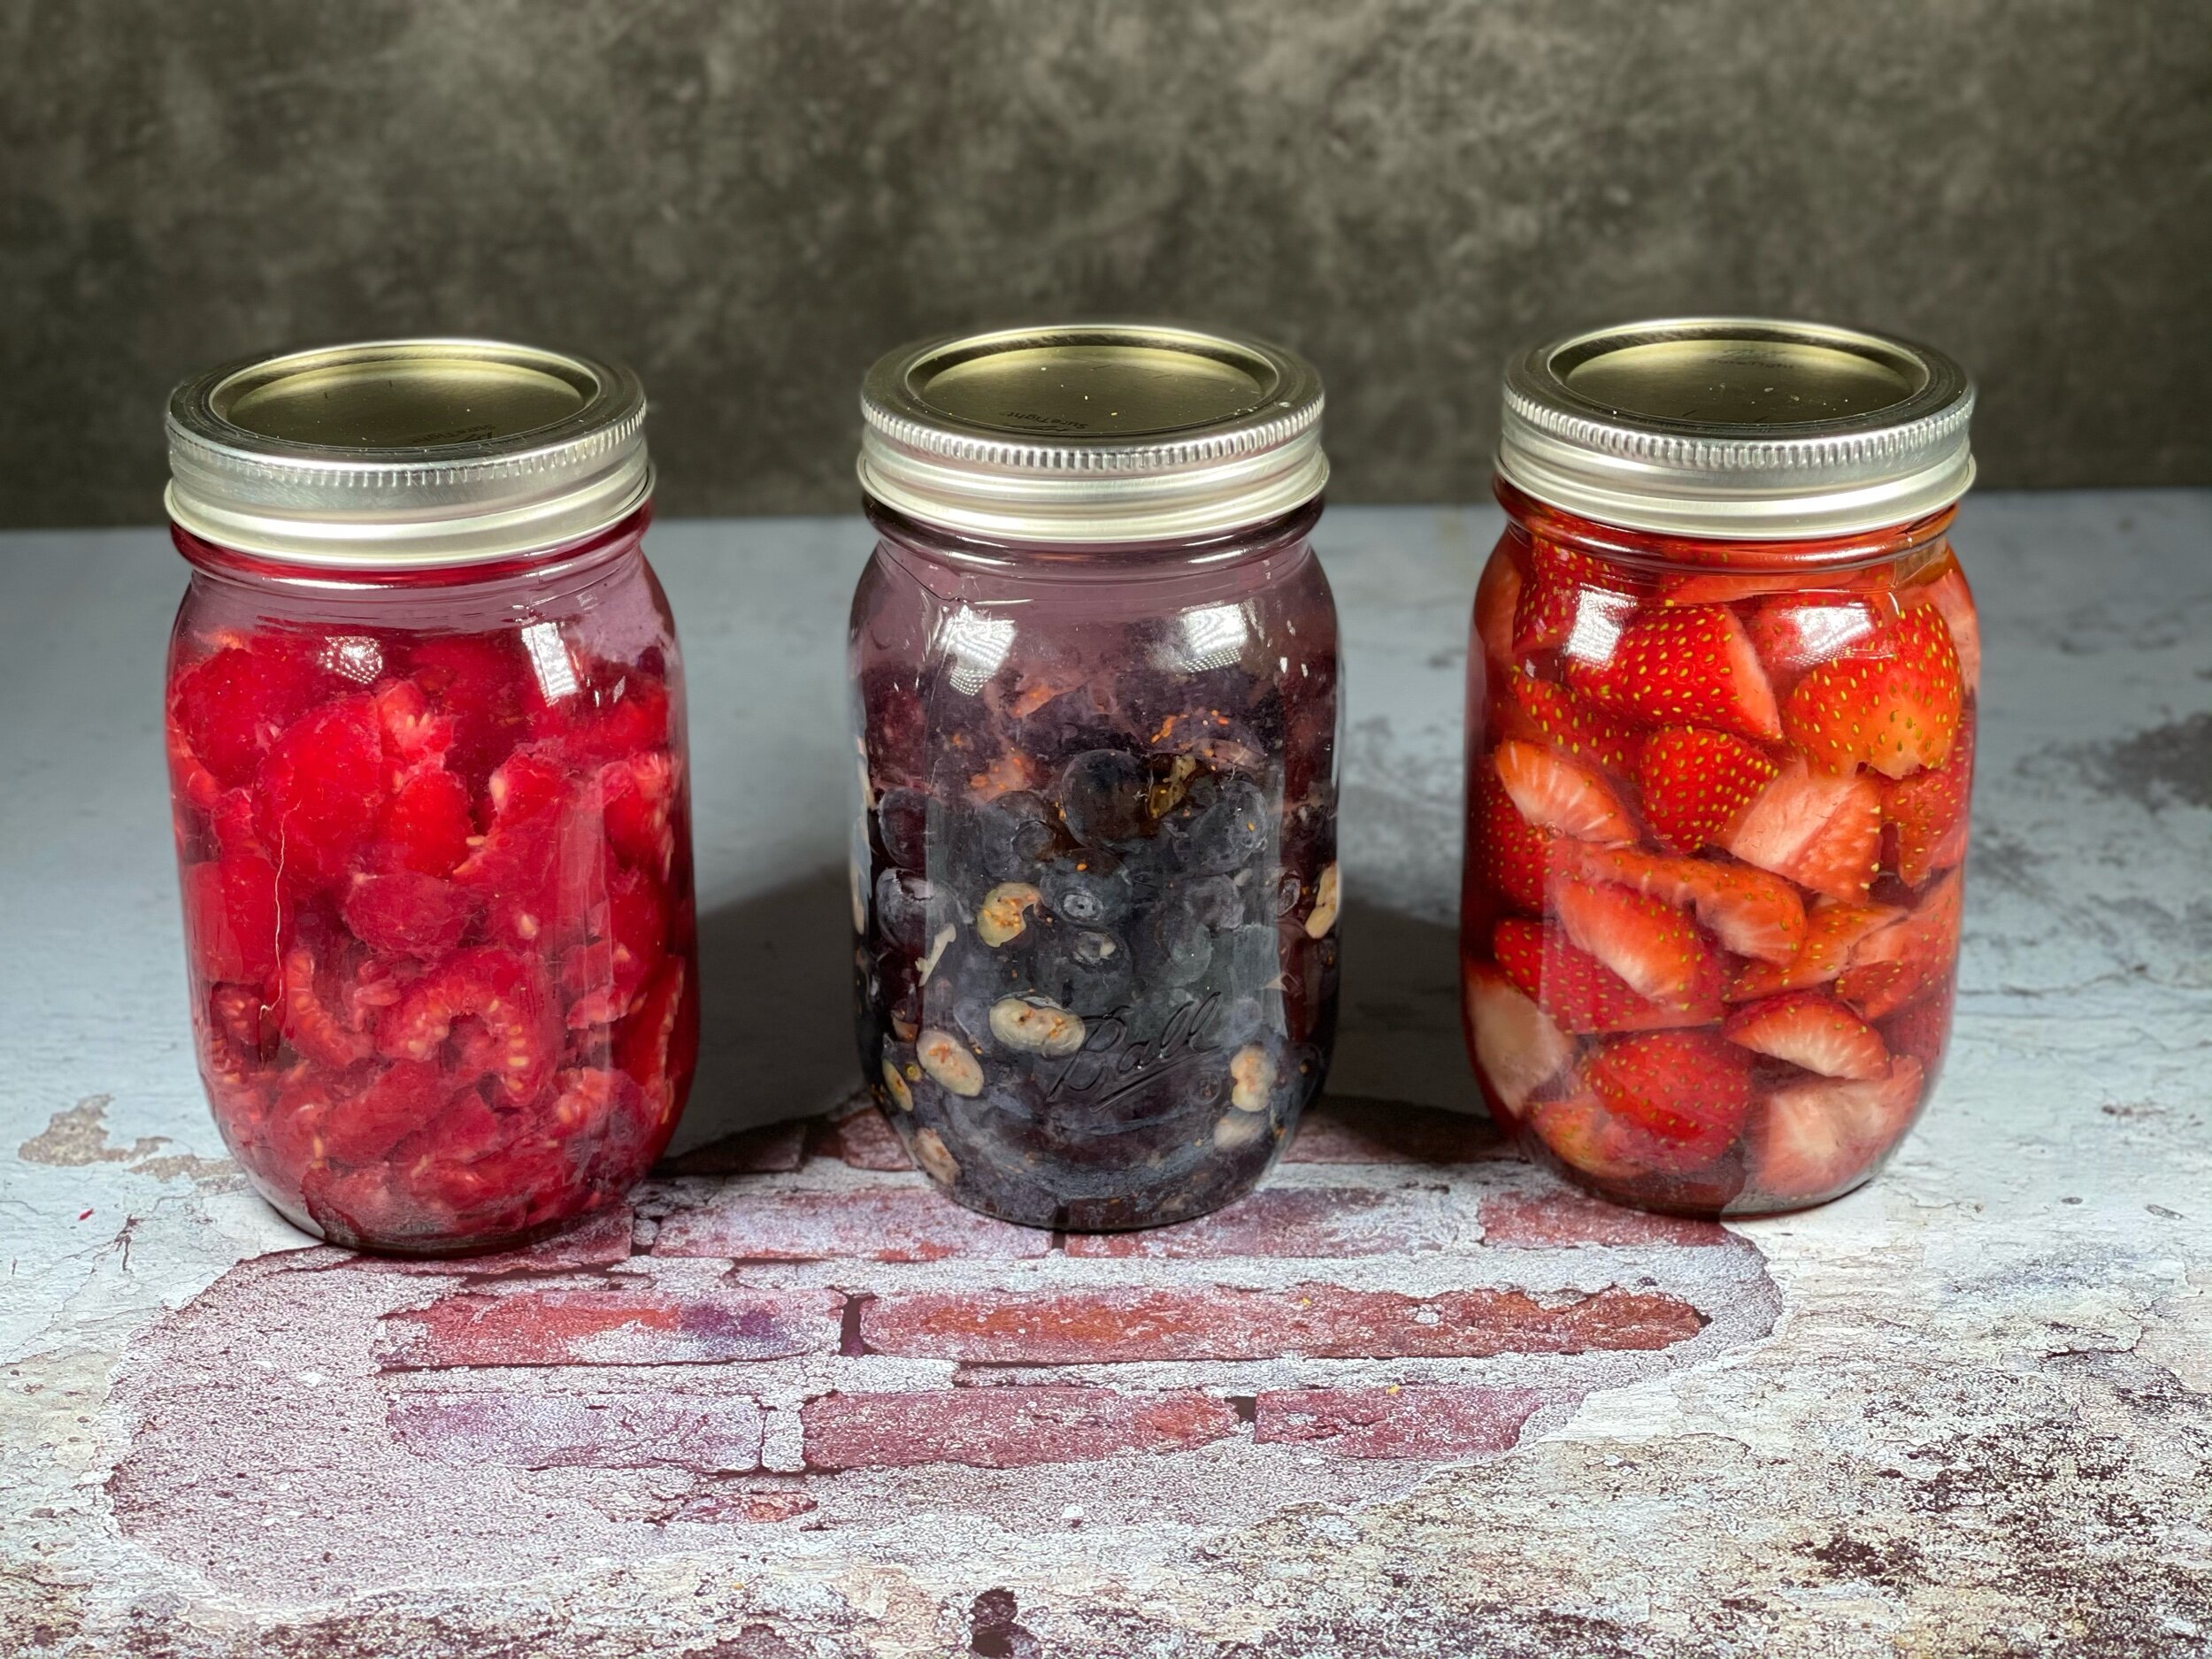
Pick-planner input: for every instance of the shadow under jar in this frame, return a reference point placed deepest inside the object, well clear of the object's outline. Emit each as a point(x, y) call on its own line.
point(1094, 665)
point(426, 734)
point(1720, 718)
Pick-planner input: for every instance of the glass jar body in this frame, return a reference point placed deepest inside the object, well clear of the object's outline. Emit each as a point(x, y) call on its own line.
point(1094, 869)
point(434, 841)
point(1716, 821)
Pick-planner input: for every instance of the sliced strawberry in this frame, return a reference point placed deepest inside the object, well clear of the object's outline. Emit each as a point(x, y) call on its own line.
point(407, 914)
point(1672, 667)
point(231, 706)
point(1687, 1091)
point(1654, 948)
point(1814, 1140)
point(1831, 928)
point(1504, 850)
point(1516, 1044)
point(231, 917)
point(1543, 712)
point(426, 826)
point(1950, 594)
point(1798, 634)
point(1913, 956)
point(1560, 580)
point(323, 790)
point(1586, 1135)
point(1890, 702)
point(513, 1037)
point(1725, 588)
point(1694, 784)
point(1922, 1029)
point(1578, 992)
point(1822, 831)
point(1497, 596)
point(1560, 795)
point(1925, 814)
point(1812, 1030)
point(1748, 910)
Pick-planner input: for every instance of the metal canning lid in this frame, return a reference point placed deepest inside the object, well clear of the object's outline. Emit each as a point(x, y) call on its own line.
point(407, 452)
point(1738, 427)
point(1092, 433)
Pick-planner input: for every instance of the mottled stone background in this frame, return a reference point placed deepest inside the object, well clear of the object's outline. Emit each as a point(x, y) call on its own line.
point(749, 200)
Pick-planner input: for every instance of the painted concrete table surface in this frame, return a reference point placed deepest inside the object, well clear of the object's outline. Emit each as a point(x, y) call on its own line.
point(1413, 1398)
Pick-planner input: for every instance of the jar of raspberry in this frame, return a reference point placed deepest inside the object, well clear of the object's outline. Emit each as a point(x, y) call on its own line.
point(425, 733)
point(1095, 670)
point(1721, 715)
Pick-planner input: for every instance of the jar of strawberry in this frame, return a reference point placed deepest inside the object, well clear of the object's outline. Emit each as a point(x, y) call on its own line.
point(1721, 716)
point(1094, 665)
point(426, 734)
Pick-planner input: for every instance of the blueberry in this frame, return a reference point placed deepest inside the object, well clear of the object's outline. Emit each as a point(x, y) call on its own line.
point(1102, 797)
point(903, 910)
point(1252, 957)
point(1087, 888)
point(1007, 839)
point(902, 825)
point(1229, 834)
point(1227, 1023)
point(1086, 971)
point(1214, 900)
point(1173, 947)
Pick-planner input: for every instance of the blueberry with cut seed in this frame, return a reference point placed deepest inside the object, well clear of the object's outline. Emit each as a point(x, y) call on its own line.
point(1102, 797)
point(1087, 888)
point(903, 826)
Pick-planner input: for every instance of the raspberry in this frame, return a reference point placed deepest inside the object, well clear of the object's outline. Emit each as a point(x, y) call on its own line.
point(231, 919)
point(409, 915)
point(231, 706)
point(638, 797)
point(426, 826)
point(509, 1034)
point(322, 790)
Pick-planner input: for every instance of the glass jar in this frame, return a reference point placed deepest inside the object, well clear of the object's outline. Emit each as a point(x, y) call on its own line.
point(426, 734)
point(1720, 709)
point(1095, 663)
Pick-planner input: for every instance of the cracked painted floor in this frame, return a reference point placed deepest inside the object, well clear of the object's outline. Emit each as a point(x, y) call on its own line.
point(790, 1405)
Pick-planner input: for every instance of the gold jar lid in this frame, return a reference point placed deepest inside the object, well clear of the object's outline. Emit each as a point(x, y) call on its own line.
point(407, 452)
point(1738, 427)
point(1092, 433)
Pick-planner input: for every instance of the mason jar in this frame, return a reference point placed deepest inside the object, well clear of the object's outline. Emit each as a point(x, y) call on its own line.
point(1721, 707)
point(425, 736)
point(1094, 856)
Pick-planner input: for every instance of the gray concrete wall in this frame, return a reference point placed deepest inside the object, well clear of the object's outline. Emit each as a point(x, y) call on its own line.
point(748, 200)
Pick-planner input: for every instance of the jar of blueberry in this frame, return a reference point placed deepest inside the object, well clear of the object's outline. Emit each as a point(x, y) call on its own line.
point(1095, 670)
point(425, 736)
